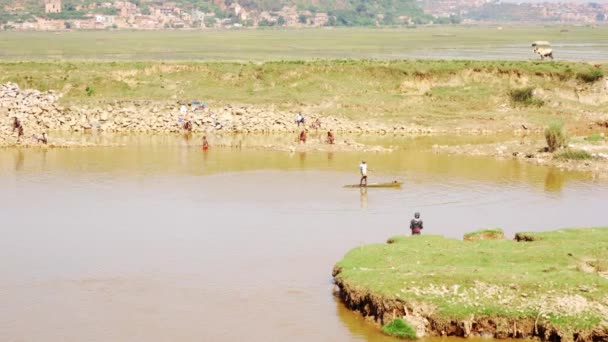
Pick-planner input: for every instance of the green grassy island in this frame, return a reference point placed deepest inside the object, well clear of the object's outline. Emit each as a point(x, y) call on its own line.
point(551, 285)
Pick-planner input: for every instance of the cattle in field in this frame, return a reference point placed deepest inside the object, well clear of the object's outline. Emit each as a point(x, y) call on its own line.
point(543, 49)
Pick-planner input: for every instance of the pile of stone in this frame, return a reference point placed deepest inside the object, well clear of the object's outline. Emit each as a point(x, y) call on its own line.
point(41, 112)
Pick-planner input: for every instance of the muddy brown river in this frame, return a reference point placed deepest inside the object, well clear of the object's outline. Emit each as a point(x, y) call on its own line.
point(159, 241)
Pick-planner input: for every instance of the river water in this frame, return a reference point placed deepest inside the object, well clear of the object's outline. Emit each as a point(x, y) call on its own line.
point(159, 241)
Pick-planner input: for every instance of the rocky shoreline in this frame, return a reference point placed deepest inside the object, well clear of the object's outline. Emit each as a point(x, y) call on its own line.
point(41, 112)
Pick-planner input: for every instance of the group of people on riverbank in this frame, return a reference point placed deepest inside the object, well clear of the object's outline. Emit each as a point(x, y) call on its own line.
point(302, 137)
point(186, 124)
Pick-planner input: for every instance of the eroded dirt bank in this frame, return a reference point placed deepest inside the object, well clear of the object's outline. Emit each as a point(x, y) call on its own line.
point(423, 317)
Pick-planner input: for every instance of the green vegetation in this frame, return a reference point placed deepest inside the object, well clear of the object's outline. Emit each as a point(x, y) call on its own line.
point(556, 278)
point(590, 76)
point(291, 44)
point(525, 97)
point(572, 154)
point(89, 90)
point(399, 328)
point(595, 138)
point(448, 93)
point(555, 136)
point(485, 234)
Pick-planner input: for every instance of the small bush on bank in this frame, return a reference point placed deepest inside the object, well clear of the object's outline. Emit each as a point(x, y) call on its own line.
point(555, 136)
point(90, 90)
point(399, 328)
point(590, 76)
point(525, 97)
point(570, 154)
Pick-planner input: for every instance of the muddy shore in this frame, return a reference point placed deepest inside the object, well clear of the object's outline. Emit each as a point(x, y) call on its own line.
point(533, 150)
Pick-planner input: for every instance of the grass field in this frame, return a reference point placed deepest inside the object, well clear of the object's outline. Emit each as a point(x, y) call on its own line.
point(422, 92)
point(325, 70)
point(559, 278)
point(451, 42)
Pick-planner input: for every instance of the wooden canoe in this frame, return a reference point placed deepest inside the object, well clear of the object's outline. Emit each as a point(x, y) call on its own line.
point(393, 184)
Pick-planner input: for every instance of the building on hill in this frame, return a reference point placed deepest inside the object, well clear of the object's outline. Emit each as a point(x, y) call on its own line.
point(52, 6)
point(320, 19)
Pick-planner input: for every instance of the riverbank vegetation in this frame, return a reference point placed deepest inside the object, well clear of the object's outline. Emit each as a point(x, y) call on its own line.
point(574, 154)
point(399, 328)
point(553, 284)
point(454, 94)
point(555, 136)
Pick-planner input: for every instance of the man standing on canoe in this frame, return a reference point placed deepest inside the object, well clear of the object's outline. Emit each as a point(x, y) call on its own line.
point(363, 169)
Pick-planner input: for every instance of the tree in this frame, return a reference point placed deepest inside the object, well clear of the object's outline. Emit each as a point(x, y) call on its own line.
point(209, 21)
point(303, 19)
point(281, 21)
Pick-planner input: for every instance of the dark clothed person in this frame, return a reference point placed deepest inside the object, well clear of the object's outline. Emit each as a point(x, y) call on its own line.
point(416, 224)
point(17, 127)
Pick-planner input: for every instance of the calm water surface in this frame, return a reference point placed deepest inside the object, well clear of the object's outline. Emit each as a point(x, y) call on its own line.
point(158, 241)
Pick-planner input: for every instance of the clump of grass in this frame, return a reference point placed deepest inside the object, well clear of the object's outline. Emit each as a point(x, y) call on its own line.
point(485, 234)
point(590, 76)
point(399, 328)
point(572, 154)
point(594, 138)
point(526, 237)
point(525, 97)
point(555, 136)
point(90, 90)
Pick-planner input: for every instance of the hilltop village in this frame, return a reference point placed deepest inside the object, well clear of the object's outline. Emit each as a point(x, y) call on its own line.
point(53, 15)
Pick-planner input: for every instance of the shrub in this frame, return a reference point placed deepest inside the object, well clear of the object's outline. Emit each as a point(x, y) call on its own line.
point(525, 96)
point(399, 328)
point(570, 154)
point(555, 136)
point(590, 76)
point(90, 90)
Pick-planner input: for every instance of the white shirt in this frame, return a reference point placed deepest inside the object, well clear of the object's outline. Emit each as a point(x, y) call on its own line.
point(183, 109)
point(363, 168)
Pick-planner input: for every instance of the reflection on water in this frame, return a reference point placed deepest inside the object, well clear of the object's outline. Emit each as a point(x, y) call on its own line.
point(363, 198)
point(158, 240)
point(554, 181)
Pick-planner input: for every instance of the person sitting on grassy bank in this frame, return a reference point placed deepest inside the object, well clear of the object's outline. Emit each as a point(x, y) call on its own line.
point(416, 224)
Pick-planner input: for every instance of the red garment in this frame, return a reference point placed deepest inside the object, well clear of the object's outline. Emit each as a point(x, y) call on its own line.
point(205, 146)
point(330, 138)
point(303, 137)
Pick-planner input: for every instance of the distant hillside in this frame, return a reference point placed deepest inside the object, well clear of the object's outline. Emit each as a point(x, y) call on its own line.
point(341, 12)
